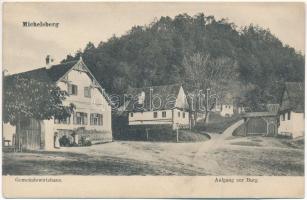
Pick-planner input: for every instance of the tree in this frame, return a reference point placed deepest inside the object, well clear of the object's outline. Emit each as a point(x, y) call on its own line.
point(153, 55)
point(25, 98)
point(204, 72)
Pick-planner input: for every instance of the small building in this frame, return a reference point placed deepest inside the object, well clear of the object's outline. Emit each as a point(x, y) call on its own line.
point(158, 105)
point(92, 115)
point(291, 114)
point(261, 123)
point(228, 106)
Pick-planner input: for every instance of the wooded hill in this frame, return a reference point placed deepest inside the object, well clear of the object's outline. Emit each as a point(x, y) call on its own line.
point(157, 54)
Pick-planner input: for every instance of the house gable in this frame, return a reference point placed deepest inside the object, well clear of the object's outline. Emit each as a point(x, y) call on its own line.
point(80, 66)
point(181, 101)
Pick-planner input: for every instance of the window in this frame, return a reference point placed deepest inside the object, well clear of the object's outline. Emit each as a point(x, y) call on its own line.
point(289, 115)
point(164, 114)
point(131, 114)
point(87, 92)
point(183, 115)
point(155, 114)
point(72, 89)
point(96, 119)
point(62, 121)
point(283, 117)
point(80, 118)
point(178, 114)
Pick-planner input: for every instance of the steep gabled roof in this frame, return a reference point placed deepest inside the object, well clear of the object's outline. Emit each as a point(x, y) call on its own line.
point(162, 97)
point(293, 97)
point(39, 74)
point(55, 73)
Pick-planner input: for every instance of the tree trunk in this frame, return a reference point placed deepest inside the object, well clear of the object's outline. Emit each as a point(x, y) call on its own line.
point(18, 135)
point(206, 116)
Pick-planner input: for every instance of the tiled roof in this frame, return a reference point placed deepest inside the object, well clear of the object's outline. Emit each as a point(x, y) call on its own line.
point(259, 114)
point(162, 97)
point(53, 74)
point(57, 71)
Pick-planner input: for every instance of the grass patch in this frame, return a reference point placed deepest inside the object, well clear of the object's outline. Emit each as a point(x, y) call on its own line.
point(218, 125)
point(162, 133)
point(298, 143)
point(256, 140)
point(190, 136)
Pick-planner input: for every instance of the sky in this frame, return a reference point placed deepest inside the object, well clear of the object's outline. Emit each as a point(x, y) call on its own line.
point(25, 48)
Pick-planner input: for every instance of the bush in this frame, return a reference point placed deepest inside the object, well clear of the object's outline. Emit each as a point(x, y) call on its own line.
point(64, 141)
point(85, 141)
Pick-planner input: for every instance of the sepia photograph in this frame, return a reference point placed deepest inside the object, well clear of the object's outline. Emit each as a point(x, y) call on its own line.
point(154, 89)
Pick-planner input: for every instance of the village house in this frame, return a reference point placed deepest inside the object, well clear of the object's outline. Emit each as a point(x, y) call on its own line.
point(158, 105)
point(91, 119)
point(291, 114)
point(228, 106)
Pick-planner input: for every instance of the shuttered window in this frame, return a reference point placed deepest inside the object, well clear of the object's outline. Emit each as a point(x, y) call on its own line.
point(155, 114)
point(62, 121)
point(96, 119)
point(80, 118)
point(87, 92)
point(283, 117)
point(289, 115)
point(72, 89)
point(164, 114)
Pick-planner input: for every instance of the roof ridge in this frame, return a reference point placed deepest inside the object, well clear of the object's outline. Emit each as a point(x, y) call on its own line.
point(64, 63)
point(19, 73)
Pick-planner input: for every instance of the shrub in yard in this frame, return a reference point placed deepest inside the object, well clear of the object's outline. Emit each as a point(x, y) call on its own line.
point(85, 141)
point(190, 136)
point(64, 141)
point(88, 143)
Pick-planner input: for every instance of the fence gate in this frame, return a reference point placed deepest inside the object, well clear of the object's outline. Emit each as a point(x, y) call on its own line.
point(271, 129)
point(256, 126)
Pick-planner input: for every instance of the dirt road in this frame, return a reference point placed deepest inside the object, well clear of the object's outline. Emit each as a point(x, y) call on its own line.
point(223, 155)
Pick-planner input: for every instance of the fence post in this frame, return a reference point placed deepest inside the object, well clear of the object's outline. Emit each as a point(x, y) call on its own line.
point(177, 134)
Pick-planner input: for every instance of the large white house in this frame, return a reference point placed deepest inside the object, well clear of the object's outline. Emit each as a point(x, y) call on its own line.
point(158, 105)
point(291, 114)
point(91, 119)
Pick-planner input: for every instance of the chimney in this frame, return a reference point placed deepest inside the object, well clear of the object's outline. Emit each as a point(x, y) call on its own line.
point(49, 61)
